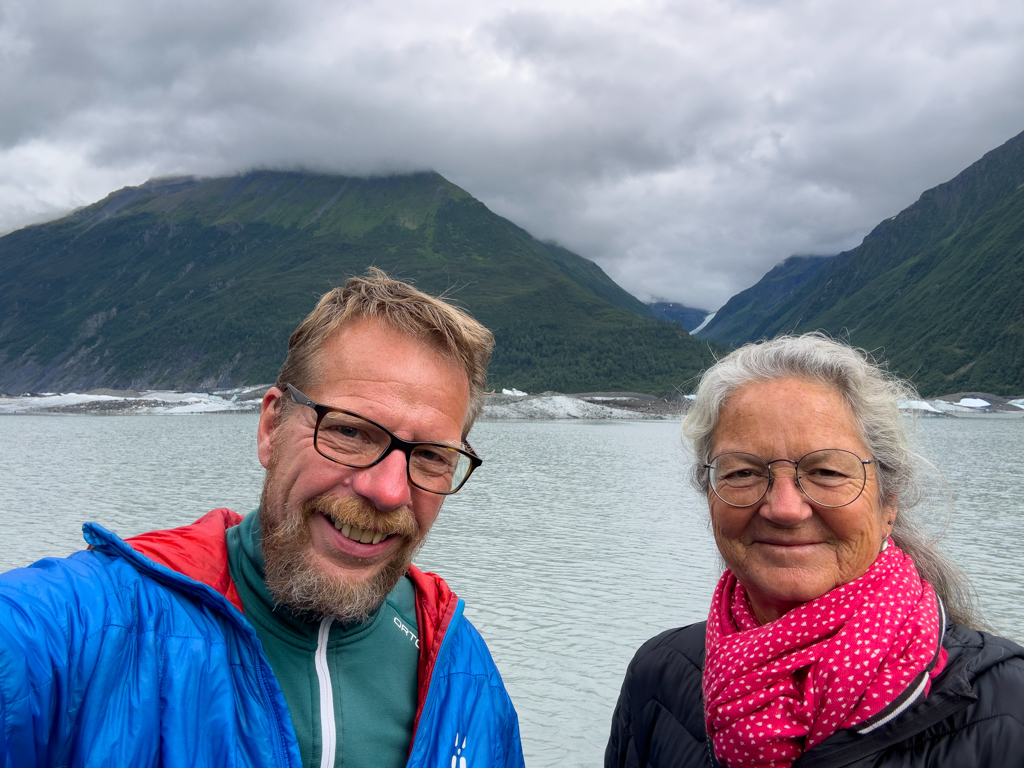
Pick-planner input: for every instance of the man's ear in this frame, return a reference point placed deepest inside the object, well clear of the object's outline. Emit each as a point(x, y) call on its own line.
point(270, 411)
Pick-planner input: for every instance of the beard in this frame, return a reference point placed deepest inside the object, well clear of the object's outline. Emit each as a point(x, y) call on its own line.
point(298, 579)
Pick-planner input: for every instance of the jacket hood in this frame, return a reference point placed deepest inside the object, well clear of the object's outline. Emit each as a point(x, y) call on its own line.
point(198, 550)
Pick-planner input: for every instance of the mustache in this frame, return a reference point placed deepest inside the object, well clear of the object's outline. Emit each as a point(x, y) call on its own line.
point(356, 511)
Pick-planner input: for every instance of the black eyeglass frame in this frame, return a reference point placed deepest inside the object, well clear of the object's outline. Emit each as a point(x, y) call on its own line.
point(396, 443)
point(796, 477)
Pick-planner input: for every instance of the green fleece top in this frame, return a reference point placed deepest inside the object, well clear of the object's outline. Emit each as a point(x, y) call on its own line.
point(366, 673)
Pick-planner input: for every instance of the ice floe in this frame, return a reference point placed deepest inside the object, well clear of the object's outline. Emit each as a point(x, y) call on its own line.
point(555, 407)
point(918, 405)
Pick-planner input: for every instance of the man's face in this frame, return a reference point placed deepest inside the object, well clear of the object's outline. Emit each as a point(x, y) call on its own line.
point(316, 514)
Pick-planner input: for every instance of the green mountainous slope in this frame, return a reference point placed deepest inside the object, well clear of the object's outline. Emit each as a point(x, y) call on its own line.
point(197, 283)
point(734, 322)
point(937, 290)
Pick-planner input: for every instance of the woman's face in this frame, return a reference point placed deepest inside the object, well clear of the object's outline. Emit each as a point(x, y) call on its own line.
point(786, 549)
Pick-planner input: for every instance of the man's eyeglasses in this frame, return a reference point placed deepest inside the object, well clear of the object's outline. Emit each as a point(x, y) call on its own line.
point(355, 441)
point(831, 477)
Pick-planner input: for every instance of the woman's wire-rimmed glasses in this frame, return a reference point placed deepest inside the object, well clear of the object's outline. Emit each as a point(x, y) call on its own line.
point(355, 441)
point(831, 477)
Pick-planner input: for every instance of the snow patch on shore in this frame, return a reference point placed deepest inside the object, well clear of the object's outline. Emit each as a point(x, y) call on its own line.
point(965, 408)
point(973, 402)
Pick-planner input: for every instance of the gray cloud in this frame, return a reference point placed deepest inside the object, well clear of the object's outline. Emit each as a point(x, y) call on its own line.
point(685, 146)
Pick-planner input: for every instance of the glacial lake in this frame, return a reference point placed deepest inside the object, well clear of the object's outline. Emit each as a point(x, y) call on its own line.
point(574, 543)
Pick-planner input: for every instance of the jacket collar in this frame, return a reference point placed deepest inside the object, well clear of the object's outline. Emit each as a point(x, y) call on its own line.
point(194, 559)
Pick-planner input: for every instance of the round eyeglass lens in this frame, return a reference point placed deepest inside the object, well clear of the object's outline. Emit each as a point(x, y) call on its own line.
point(831, 477)
point(739, 479)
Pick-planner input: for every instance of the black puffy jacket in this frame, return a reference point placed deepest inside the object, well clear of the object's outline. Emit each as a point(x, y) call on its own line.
point(973, 716)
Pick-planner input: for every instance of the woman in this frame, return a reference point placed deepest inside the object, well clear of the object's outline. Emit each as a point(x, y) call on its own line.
point(837, 636)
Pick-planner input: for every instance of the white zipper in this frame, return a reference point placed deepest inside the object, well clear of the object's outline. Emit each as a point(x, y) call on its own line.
point(328, 733)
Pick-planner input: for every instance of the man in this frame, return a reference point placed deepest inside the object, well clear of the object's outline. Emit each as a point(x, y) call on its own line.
point(300, 634)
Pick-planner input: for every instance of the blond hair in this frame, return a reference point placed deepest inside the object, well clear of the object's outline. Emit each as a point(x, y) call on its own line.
point(402, 308)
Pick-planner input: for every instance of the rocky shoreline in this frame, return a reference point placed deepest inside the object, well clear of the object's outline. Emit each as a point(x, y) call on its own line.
point(497, 406)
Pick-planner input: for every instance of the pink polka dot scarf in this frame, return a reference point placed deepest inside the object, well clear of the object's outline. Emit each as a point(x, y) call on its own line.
point(856, 656)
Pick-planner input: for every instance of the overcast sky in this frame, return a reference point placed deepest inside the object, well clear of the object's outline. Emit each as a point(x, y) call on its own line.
point(687, 147)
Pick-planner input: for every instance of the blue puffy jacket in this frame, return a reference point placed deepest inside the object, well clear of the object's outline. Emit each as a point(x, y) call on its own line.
point(110, 657)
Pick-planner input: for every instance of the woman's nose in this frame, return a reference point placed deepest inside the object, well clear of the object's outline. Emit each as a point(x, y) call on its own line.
point(785, 503)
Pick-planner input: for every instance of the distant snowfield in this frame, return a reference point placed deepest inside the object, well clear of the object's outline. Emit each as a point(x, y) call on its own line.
point(707, 319)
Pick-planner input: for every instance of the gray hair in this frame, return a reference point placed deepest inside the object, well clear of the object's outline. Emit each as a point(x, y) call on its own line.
point(873, 396)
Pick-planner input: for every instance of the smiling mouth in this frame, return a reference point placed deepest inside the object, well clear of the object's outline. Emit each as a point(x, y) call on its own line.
point(360, 535)
point(790, 543)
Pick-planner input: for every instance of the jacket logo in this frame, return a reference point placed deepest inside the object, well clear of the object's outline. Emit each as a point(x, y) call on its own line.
point(458, 759)
point(408, 632)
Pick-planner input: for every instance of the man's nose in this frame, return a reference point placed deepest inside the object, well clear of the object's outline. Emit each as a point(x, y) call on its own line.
point(785, 503)
point(385, 485)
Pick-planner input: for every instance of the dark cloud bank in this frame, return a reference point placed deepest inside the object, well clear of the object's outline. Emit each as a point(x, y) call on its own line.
point(685, 146)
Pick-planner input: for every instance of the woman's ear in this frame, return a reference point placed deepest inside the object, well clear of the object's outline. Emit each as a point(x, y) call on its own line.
point(889, 512)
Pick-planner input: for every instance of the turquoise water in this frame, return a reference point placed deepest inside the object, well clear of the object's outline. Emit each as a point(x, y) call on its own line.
point(574, 543)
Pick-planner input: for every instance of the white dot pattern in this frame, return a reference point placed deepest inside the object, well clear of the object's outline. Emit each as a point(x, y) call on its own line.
point(773, 691)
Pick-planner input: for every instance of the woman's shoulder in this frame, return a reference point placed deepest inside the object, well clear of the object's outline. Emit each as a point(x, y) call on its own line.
point(992, 666)
point(682, 647)
point(976, 654)
point(659, 719)
point(667, 669)
point(979, 692)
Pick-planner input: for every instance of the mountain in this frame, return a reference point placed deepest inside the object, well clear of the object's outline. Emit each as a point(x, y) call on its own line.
point(688, 317)
point(195, 283)
point(733, 323)
point(937, 290)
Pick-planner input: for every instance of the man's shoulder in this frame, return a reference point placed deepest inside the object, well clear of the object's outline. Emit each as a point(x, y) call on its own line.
point(466, 696)
point(83, 577)
point(469, 651)
point(450, 639)
point(84, 596)
point(113, 566)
